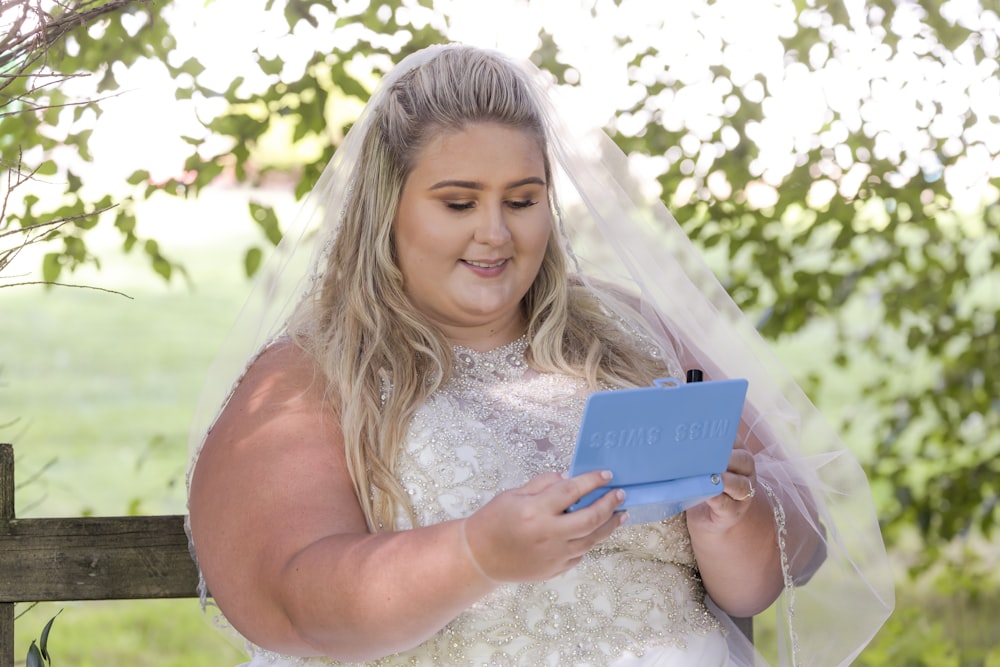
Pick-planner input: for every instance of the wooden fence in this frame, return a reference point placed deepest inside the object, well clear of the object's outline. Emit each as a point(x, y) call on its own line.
point(85, 558)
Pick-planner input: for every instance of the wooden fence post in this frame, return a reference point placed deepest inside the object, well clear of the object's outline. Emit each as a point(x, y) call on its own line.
point(6, 517)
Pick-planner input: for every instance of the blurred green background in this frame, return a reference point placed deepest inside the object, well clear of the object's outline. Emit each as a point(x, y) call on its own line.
point(838, 164)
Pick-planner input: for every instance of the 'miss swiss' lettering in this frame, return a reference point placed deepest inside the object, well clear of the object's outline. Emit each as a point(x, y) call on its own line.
point(712, 428)
point(629, 437)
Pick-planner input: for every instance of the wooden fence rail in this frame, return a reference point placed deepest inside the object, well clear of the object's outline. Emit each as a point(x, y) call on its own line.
point(86, 558)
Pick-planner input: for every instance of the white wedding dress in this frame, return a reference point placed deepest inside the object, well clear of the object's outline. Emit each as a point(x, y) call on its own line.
point(634, 601)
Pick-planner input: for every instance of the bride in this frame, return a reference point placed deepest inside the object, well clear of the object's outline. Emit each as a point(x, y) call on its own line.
point(386, 480)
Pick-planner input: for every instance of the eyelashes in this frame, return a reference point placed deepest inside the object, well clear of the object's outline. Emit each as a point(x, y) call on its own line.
point(466, 206)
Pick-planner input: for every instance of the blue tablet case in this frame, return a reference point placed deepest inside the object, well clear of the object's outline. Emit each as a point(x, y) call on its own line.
point(667, 445)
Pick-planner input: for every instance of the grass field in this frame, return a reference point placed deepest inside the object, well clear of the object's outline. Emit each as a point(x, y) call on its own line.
point(147, 633)
point(96, 393)
point(102, 387)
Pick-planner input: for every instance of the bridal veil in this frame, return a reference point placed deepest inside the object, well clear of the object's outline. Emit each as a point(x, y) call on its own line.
point(834, 602)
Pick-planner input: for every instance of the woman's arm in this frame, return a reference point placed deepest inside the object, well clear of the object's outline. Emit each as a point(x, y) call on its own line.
point(284, 546)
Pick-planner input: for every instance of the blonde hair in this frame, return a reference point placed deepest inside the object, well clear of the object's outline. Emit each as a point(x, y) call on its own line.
point(381, 357)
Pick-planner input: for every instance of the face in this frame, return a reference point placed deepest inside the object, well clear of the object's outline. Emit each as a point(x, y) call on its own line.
point(471, 231)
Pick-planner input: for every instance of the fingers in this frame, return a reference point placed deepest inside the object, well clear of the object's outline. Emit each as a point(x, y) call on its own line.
point(596, 522)
point(738, 478)
point(592, 525)
point(525, 534)
point(615, 518)
point(597, 517)
point(541, 482)
point(738, 487)
point(574, 488)
point(741, 462)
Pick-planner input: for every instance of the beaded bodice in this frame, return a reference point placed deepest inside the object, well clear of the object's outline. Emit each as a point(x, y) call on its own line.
point(495, 424)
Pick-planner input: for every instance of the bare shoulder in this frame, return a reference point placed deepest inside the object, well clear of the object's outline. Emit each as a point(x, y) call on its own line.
point(282, 367)
point(283, 392)
point(271, 480)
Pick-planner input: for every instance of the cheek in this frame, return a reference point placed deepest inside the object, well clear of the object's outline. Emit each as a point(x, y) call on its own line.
point(537, 238)
point(412, 241)
point(426, 233)
point(424, 253)
point(409, 256)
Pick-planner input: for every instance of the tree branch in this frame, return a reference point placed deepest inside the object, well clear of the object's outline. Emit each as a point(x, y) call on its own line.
point(57, 284)
point(50, 29)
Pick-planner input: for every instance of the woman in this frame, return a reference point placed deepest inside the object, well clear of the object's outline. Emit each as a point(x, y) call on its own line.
point(386, 480)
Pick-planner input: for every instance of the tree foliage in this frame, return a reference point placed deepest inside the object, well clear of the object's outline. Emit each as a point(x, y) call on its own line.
point(854, 222)
point(44, 46)
point(859, 226)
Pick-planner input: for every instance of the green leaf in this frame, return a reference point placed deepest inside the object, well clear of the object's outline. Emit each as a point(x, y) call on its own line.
point(105, 202)
point(252, 260)
point(76, 248)
point(87, 222)
point(34, 657)
point(29, 201)
point(268, 221)
point(205, 173)
point(546, 56)
point(108, 81)
point(48, 168)
point(137, 177)
point(299, 9)
point(125, 222)
point(51, 267)
point(51, 114)
point(162, 267)
point(348, 84)
point(271, 66)
point(191, 66)
point(73, 182)
point(231, 90)
point(43, 642)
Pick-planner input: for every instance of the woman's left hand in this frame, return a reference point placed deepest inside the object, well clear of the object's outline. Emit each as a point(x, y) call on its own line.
point(735, 542)
point(739, 488)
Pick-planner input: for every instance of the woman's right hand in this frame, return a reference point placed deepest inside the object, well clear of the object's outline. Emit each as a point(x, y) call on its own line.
point(525, 534)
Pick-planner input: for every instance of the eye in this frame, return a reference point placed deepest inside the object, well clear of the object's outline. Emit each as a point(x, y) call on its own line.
point(524, 203)
point(459, 206)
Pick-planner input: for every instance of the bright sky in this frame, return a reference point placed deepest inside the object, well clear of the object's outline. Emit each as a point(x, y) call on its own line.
point(141, 128)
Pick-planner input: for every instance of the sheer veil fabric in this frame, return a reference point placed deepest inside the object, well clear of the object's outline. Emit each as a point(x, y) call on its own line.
point(623, 242)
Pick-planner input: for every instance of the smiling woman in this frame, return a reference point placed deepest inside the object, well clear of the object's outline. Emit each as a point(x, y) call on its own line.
point(470, 235)
point(387, 482)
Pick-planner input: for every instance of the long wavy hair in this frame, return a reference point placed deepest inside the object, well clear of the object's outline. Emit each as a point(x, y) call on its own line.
point(381, 356)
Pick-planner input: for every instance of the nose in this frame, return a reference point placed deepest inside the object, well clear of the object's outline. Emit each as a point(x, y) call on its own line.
point(491, 228)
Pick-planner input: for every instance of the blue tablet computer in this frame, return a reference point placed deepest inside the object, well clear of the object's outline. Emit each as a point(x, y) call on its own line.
point(667, 445)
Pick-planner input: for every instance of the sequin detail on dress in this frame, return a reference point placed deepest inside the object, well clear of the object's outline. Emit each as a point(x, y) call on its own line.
point(492, 427)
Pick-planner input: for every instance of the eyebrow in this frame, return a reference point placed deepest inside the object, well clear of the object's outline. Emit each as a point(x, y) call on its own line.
point(476, 185)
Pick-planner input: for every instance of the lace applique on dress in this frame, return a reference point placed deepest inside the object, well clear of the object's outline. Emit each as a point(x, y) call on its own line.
point(494, 425)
